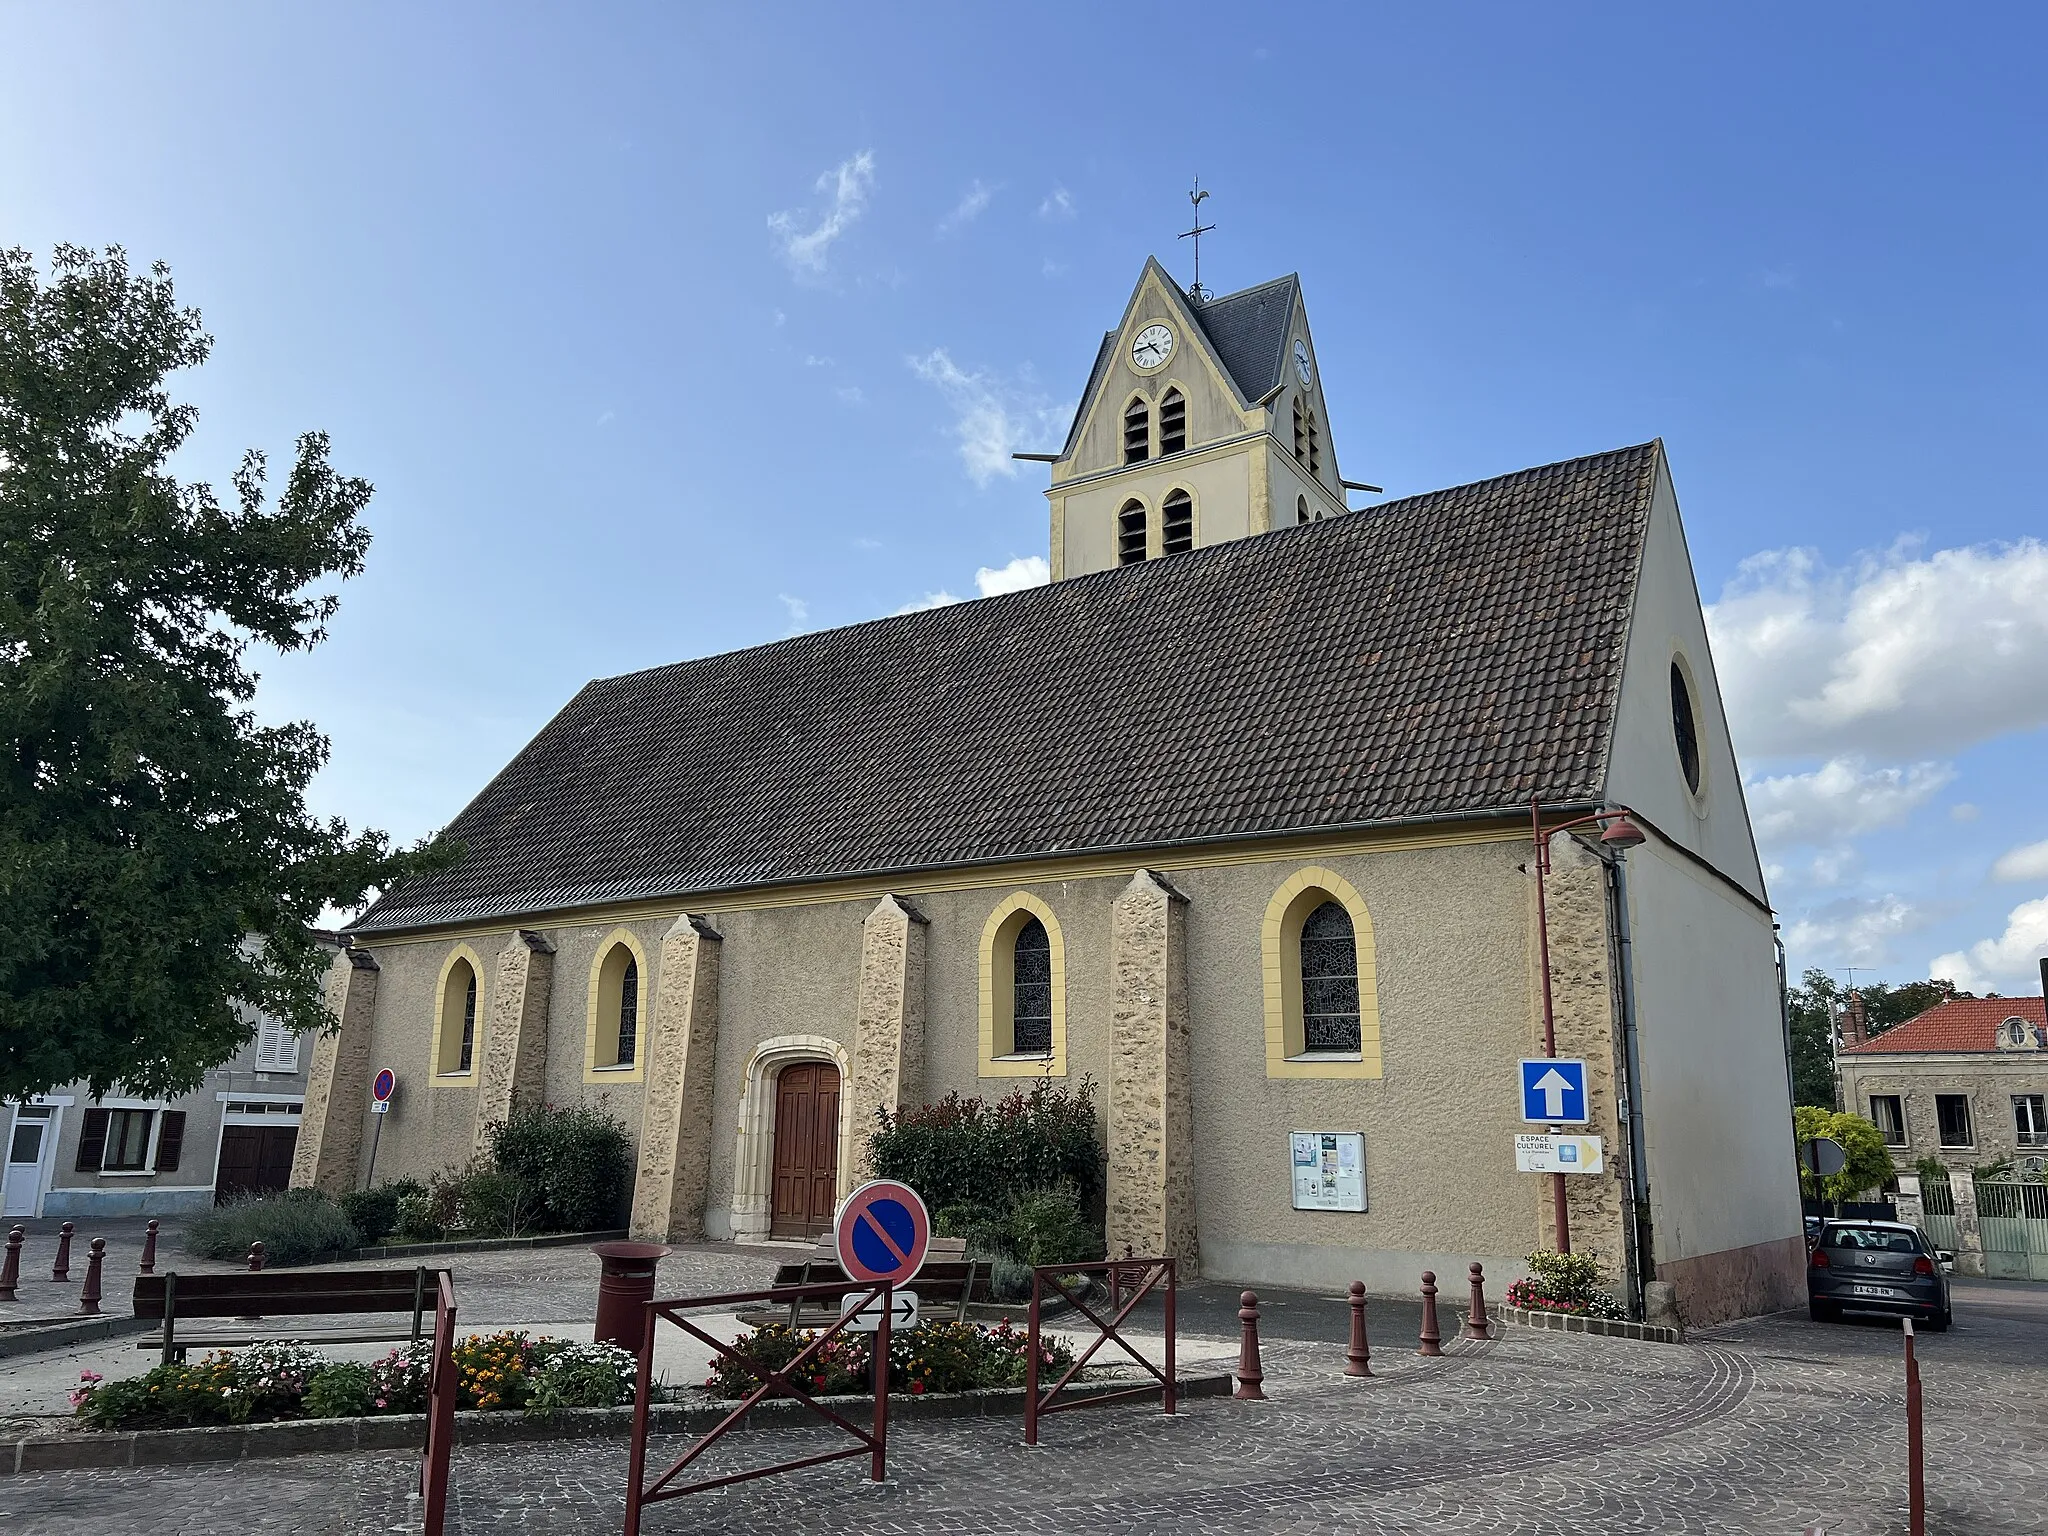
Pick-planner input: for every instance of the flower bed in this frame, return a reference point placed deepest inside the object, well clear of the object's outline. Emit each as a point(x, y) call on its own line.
point(267, 1382)
point(938, 1357)
point(1564, 1282)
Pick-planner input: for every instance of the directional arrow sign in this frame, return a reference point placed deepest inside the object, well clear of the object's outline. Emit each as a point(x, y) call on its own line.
point(867, 1317)
point(1554, 1091)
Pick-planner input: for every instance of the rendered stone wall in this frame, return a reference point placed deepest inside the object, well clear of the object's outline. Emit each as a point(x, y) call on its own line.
point(338, 1087)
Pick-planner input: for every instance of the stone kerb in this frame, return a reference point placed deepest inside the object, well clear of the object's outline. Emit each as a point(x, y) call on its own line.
point(338, 1086)
point(674, 1170)
point(516, 1033)
point(1150, 1205)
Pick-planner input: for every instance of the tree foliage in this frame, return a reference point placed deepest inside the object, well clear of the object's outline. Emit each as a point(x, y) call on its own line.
point(159, 870)
point(1868, 1164)
point(1816, 1002)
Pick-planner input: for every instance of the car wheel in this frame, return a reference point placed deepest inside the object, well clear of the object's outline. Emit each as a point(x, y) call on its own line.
point(1823, 1311)
point(1938, 1322)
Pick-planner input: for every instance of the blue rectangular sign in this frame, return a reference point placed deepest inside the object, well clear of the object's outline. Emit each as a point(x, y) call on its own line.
point(1554, 1091)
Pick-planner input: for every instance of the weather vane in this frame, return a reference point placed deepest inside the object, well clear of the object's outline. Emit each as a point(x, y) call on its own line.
point(1195, 289)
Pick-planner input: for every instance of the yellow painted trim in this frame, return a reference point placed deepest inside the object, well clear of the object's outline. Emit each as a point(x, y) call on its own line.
point(1261, 513)
point(603, 997)
point(435, 1076)
point(1059, 538)
point(990, 876)
point(998, 934)
point(1280, 953)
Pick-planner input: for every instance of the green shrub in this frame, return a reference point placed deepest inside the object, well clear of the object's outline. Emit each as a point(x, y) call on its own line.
point(584, 1376)
point(971, 1152)
point(575, 1162)
point(1046, 1226)
point(374, 1212)
point(1009, 1280)
point(416, 1222)
point(342, 1389)
point(1563, 1282)
point(296, 1227)
point(498, 1204)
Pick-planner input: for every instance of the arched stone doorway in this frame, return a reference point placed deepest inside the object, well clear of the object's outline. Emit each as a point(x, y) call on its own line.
point(791, 1166)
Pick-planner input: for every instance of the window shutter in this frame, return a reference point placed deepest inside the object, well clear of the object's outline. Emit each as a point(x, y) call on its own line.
point(92, 1141)
point(170, 1141)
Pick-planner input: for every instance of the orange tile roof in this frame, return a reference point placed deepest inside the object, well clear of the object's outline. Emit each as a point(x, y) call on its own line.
point(1960, 1024)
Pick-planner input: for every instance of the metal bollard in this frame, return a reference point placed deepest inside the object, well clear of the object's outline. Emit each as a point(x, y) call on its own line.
point(10, 1275)
point(61, 1270)
point(1476, 1323)
point(1358, 1357)
point(1249, 1375)
point(1916, 1478)
point(1432, 1341)
point(255, 1258)
point(148, 1265)
point(89, 1294)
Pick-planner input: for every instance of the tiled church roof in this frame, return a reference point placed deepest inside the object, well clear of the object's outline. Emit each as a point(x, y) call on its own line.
point(1453, 652)
point(1249, 332)
point(1960, 1024)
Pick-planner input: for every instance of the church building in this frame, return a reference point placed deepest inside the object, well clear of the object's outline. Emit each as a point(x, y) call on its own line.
point(1234, 817)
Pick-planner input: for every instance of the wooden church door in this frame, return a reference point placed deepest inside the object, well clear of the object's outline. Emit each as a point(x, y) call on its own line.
point(806, 1150)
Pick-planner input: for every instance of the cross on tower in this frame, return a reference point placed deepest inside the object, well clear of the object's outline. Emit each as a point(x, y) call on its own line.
point(1195, 289)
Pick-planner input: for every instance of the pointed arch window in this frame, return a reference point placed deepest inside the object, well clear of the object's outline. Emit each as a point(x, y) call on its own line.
point(1137, 431)
point(1031, 991)
point(1300, 430)
point(1177, 523)
point(1308, 447)
point(1301, 509)
point(455, 1019)
point(612, 1039)
point(1130, 533)
point(1329, 980)
point(629, 1012)
point(1173, 423)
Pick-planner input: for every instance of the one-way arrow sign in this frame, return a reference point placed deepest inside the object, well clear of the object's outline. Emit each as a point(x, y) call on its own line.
point(867, 1318)
point(1554, 1091)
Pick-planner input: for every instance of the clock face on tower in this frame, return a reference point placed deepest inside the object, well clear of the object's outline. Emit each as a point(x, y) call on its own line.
point(1152, 347)
point(1301, 365)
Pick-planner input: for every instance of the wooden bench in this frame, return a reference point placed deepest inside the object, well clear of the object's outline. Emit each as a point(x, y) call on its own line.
point(946, 1282)
point(253, 1297)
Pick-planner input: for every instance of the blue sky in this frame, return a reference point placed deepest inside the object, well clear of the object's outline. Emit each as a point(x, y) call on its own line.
point(662, 332)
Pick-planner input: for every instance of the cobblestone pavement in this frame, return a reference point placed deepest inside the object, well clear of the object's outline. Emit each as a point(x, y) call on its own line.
point(1767, 1426)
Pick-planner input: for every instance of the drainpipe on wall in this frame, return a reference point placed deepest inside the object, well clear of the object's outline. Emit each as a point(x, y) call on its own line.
point(1642, 1261)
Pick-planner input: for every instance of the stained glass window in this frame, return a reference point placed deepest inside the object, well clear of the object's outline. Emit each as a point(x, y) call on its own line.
point(468, 1024)
point(629, 1013)
point(1329, 980)
point(1031, 999)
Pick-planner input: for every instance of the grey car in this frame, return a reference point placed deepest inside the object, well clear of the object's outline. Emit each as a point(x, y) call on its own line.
point(1876, 1266)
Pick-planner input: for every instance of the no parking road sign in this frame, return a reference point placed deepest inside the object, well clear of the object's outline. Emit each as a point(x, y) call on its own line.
point(882, 1232)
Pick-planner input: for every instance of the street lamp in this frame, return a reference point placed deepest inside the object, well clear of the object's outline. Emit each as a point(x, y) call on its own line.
point(1620, 834)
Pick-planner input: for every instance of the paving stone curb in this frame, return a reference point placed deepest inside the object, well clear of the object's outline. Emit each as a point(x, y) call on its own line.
point(1605, 1327)
point(474, 1245)
point(408, 1431)
point(33, 1339)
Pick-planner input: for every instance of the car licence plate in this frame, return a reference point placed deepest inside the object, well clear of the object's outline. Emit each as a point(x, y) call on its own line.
point(1872, 1290)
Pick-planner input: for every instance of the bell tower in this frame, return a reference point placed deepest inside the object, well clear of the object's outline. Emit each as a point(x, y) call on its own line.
point(1202, 421)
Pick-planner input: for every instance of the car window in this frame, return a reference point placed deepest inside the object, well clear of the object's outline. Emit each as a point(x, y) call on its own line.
point(1870, 1240)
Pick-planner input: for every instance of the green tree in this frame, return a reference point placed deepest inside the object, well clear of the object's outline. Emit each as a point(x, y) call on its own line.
point(150, 829)
point(1868, 1165)
point(1813, 1039)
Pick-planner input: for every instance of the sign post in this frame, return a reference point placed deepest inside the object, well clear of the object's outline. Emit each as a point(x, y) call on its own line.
point(381, 1089)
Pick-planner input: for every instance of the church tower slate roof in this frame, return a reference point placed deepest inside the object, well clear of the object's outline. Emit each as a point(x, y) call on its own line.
point(1448, 654)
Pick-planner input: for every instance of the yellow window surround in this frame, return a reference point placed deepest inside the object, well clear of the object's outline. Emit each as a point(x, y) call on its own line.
point(1280, 949)
point(601, 1014)
point(451, 992)
point(998, 990)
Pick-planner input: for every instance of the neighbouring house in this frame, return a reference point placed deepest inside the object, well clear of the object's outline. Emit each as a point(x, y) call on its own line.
point(1233, 817)
point(72, 1155)
point(1965, 1083)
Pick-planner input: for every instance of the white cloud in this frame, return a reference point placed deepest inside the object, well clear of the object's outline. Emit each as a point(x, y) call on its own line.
point(1963, 810)
point(1841, 799)
point(1024, 571)
point(1058, 204)
point(812, 360)
point(973, 203)
point(991, 418)
point(2025, 863)
point(1050, 268)
point(850, 394)
point(938, 599)
point(799, 610)
point(1899, 656)
point(847, 188)
point(2010, 961)
point(1856, 930)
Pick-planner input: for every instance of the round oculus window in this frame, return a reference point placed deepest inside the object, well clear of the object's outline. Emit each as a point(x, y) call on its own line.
point(1684, 729)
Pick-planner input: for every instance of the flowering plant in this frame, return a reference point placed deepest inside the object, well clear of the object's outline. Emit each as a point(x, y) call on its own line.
point(940, 1356)
point(583, 1376)
point(1563, 1282)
